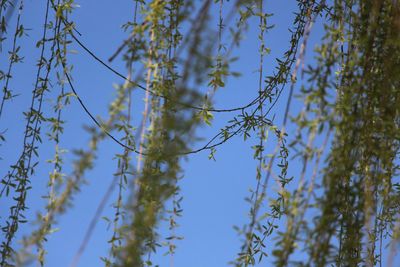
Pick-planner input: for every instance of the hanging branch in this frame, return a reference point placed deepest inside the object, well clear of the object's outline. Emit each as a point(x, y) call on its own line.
point(24, 167)
point(14, 57)
point(351, 92)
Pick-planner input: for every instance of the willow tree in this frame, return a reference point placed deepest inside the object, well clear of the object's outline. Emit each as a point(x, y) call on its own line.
point(340, 208)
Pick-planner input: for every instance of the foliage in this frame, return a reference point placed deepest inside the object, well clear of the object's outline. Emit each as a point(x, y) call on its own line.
point(346, 202)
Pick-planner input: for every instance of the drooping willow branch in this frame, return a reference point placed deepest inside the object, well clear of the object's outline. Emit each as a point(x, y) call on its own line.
point(340, 213)
point(24, 167)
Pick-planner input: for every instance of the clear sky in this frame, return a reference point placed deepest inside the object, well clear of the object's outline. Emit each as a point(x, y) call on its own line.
point(213, 192)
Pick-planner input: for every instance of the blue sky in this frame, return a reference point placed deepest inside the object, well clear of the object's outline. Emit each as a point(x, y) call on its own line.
point(213, 191)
